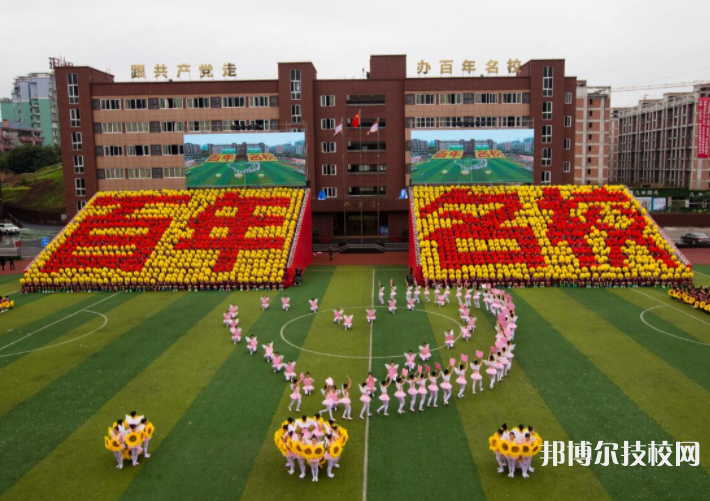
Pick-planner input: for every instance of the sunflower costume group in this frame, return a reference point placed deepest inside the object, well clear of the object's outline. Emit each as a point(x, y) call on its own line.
point(696, 297)
point(313, 441)
point(515, 448)
point(128, 438)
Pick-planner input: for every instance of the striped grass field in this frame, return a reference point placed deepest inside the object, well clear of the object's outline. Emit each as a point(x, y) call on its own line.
point(595, 365)
point(501, 171)
point(221, 174)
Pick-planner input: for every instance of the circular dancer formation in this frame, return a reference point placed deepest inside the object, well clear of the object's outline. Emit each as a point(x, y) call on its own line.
point(128, 438)
point(313, 441)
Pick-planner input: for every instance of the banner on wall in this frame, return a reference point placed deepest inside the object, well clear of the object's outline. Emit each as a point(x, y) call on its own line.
point(704, 127)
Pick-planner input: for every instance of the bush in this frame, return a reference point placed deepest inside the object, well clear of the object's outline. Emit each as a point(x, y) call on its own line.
point(29, 158)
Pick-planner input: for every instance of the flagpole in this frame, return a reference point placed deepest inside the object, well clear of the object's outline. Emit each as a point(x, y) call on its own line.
point(345, 214)
point(359, 127)
point(377, 226)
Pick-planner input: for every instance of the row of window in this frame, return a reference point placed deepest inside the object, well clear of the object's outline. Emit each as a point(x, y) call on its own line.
point(356, 191)
point(178, 103)
point(332, 169)
point(142, 173)
point(140, 150)
point(469, 122)
point(470, 98)
point(192, 126)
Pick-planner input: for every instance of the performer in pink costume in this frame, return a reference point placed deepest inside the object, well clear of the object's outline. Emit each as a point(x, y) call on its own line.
point(348, 322)
point(365, 399)
point(285, 303)
point(236, 334)
point(417, 293)
point(233, 310)
point(277, 362)
point(446, 384)
point(384, 397)
point(461, 379)
point(465, 333)
point(410, 360)
point(476, 377)
point(337, 315)
point(370, 315)
point(449, 339)
point(264, 303)
point(433, 389)
point(424, 352)
point(421, 390)
point(392, 305)
point(313, 303)
point(227, 319)
point(290, 370)
point(491, 370)
point(252, 345)
point(296, 396)
point(477, 298)
point(410, 304)
point(268, 351)
point(427, 293)
point(392, 370)
point(308, 384)
point(440, 300)
point(381, 294)
point(412, 391)
point(345, 400)
point(400, 394)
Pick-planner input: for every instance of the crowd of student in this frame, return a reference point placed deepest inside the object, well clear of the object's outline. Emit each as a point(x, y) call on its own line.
point(173, 240)
point(541, 235)
point(697, 297)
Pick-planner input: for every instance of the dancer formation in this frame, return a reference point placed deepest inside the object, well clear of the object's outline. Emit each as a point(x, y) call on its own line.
point(6, 304)
point(129, 437)
point(697, 297)
point(514, 449)
point(313, 443)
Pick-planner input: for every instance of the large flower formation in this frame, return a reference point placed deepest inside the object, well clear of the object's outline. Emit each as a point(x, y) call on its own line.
point(524, 235)
point(173, 239)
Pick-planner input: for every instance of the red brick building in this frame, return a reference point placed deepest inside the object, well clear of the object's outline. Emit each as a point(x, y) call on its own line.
point(362, 176)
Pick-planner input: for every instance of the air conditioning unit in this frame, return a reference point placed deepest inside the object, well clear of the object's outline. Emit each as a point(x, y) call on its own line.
point(347, 97)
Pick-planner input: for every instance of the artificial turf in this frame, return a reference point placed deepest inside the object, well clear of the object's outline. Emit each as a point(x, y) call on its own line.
point(586, 368)
point(218, 174)
point(501, 171)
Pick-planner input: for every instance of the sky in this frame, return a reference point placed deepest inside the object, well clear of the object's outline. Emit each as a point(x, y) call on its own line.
point(268, 138)
point(499, 136)
point(606, 42)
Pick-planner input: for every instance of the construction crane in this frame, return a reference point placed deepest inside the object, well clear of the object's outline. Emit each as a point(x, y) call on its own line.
point(658, 86)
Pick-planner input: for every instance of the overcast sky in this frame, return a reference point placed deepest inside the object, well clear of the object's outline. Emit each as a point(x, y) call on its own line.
point(606, 42)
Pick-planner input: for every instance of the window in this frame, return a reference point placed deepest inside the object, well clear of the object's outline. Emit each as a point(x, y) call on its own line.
point(331, 192)
point(546, 157)
point(329, 170)
point(80, 185)
point(172, 172)
point(366, 168)
point(135, 127)
point(425, 122)
point(450, 98)
point(591, 114)
point(327, 123)
point(547, 81)
point(234, 125)
point(73, 84)
point(512, 97)
point(296, 85)
point(366, 191)
point(568, 121)
point(172, 149)
point(295, 113)
point(140, 173)
point(170, 103)
point(115, 173)
point(448, 121)
point(568, 144)
point(511, 121)
point(80, 204)
point(425, 99)
point(199, 126)
point(328, 147)
point(138, 150)
point(135, 104)
point(262, 125)
point(78, 164)
point(486, 98)
point(172, 126)
point(327, 100)
point(233, 102)
point(485, 121)
point(566, 166)
point(546, 177)
point(76, 143)
point(113, 151)
point(74, 117)
point(258, 101)
point(547, 134)
point(111, 127)
point(198, 102)
point(589, 149)
point(568, 98)
point(547, 110)
point(110, 104)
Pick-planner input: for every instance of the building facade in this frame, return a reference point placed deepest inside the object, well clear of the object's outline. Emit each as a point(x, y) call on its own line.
point(655, 143)
point(34, 102)
point(593, 133)
point(362, 175)
point(16, 134)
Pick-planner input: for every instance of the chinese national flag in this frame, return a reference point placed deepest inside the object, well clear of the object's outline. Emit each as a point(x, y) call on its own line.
point(355, 122)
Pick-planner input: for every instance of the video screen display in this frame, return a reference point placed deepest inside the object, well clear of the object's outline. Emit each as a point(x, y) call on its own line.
point(245, 159)
point(472, 156)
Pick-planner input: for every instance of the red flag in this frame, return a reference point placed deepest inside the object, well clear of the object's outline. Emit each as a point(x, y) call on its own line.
point(355, 122)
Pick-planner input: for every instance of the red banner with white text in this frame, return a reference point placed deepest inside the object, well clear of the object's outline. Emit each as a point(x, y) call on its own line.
point(704, 127)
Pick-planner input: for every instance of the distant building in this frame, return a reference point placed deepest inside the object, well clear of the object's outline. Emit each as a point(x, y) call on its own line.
point(34, 103)
point(656, 143)
point(16, 134)
point(419, 147)
point(593, 131)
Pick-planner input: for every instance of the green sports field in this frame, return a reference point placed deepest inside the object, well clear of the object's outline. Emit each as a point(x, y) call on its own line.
point(593, 365)
point(211, 174)
point(501, 171)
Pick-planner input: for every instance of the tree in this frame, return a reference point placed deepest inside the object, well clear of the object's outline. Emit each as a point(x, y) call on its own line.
point(29, 158)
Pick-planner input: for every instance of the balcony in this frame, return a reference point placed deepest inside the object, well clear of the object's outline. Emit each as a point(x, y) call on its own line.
point(365, 100)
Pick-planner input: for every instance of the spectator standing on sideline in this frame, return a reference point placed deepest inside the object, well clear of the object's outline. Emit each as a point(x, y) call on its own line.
point(330, 252)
